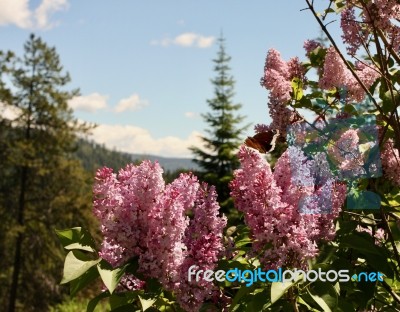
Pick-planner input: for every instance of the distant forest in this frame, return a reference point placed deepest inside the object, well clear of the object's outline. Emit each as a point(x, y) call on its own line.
point(94, 156)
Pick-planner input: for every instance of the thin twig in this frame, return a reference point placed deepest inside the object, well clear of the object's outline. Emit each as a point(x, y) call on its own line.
point(292, 298)
point(391, 291)
point(362, 216)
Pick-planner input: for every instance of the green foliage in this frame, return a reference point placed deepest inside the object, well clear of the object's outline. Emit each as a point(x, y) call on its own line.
point(75, 304)
point(42, 186)
point(83, 266)
point(217, 159)
point(94, 156)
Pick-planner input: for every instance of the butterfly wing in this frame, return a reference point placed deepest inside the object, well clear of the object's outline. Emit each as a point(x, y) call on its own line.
point(264, 142)
point(254, 143)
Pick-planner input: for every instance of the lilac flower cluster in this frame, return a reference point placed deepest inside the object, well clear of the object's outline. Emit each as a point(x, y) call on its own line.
point(377, 14)
point(278, 76)
point(272, 202)
point(337, 75)
point(122, 204)
point(346, 155)
point(353, 35)
point(310, 46)
point(383, 14)
point(378, 234)
point(142, 217)
point(391, 162)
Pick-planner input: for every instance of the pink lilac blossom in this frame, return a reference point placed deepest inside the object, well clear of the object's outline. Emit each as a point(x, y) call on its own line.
point(380, 14)
point(391, 162)
point(278, 75)
point(281, 116)
point(352, 35)
point(295, 69)
point(379, 234)
point(278, 84)
point(367, 73)
point(258, 128)
point(203, 239)
point(283, 235)
point(310, 46)
point(121, 203)
point(129, 282)
point(275, 62)
point(346, 155)
point(167, 224)
point(337, 75)
point(141, 217)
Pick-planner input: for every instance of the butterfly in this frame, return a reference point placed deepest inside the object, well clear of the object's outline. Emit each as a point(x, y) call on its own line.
point(264, 142)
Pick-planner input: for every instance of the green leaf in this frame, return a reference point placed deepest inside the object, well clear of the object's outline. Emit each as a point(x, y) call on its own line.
point(82, 281)
point(363, 200)
point(317, 56)
point(350, 109)
point(241, 293)
point(380, 264)
point(231, 230)
point(362, 242)
point(243, 242)
point(278, 289)
point(324, 294)
point(339, 6)
point(125, 308)
point(74, 267)
point(110, 276)
point(95, 301)
point(297, 86)
point(120, 301)
point(153, 286)
point(258, 302)
point(76, 238)
point(388, 101)
point(320, 301)
point(146, 303)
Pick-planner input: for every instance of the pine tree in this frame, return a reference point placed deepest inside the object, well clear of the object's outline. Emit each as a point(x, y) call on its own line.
point(218, 157)
point(42, 187)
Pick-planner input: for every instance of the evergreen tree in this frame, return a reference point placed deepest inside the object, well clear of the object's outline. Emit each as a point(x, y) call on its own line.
point(42, 187)
point(218, 157)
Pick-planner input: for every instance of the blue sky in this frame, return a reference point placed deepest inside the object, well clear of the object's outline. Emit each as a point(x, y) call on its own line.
point(144, 67)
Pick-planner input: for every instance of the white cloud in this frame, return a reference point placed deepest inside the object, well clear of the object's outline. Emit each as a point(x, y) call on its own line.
point(9, 112)
point(191, 115)
point(89, 103)
point(45, 9)
point(188, 39)
point(17, 12)
point(137, 140)
point(131, 103)
point(205, 42)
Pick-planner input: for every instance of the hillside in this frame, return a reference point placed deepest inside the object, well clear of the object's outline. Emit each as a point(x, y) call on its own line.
point(168, 163)
point(94, 155)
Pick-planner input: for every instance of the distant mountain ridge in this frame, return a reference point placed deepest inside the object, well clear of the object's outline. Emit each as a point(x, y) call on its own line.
point(168, 163)
point(93, 156)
